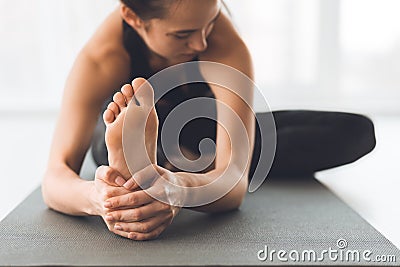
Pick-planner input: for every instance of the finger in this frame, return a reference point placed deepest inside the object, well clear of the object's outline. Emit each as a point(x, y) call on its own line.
point(145, 177)
point(109, 175)
point(148, 236)
point(145, 212)
point(145, 226)
point(111, 227)
point(152, 209)
point(121, 233)
point(107, 191)
point(111, 192)
point(130, 184)
point(130, 199)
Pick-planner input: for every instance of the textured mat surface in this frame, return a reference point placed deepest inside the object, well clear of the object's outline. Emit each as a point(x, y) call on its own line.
point(294, 216)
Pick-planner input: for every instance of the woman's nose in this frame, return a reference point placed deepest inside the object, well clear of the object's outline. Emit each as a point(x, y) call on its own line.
point(198, 42)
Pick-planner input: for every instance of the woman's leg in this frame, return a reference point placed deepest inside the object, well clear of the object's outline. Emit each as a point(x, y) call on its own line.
point(307, 141)
point(310, 141)
point(99, 149)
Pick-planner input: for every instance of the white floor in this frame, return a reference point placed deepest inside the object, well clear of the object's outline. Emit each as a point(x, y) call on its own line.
point(370, 186)
point(25, 141)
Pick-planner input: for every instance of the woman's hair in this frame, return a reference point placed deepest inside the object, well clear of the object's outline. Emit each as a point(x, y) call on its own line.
point(150, 9)
point(154, 9)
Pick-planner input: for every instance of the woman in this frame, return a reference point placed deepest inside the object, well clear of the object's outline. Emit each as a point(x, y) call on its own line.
point(139, 39)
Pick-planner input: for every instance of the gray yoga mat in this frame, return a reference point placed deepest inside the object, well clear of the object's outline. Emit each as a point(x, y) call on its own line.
point(291, 215)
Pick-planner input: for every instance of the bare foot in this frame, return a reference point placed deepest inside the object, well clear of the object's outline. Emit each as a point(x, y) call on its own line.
point(142, 148)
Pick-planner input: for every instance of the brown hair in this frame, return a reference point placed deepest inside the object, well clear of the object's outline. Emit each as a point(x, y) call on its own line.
point(154, 9)
point(150, 9)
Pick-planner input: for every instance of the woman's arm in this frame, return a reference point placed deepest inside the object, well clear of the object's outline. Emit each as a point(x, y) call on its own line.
point(226, 47)
point(100, 68)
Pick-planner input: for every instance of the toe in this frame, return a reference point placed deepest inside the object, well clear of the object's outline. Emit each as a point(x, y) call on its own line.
point(108, 116)
point(143, 91)
point(119, 99)
point(127, 91)
point(114, 108)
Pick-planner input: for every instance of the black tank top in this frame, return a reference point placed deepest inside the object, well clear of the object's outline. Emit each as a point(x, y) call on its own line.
point(194, 131)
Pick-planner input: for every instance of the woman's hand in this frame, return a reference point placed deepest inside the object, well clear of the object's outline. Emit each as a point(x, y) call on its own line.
point(107, 184)
point(140, 214)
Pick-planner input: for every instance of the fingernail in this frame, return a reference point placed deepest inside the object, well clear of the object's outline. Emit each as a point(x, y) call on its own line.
point(117, 227)
point(131, 236)
point(120, 181)
point(107, 205)
point(109, 218)
point(129, 183)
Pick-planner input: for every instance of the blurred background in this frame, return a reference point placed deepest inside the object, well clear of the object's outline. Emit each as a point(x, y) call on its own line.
point(341, 55)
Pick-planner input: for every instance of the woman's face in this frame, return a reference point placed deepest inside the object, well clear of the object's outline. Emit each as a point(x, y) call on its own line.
point(182, 35)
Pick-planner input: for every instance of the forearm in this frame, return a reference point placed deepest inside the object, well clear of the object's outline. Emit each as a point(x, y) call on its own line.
point(229, 200)
point(63, 190)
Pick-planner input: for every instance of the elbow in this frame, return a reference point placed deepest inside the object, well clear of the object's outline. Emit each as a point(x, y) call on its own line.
point(234, 206)
point(241, 188)
point(45, 192)
point(47, 188)
point(238, 201)
point(237, 195)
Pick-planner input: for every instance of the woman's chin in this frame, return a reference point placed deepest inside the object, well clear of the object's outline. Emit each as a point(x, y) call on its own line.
point(189, 56)
point(182, 59)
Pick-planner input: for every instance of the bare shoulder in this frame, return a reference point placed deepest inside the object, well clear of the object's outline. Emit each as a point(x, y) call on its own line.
point(100, 68)
point(226, 46)
point(107, 42)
